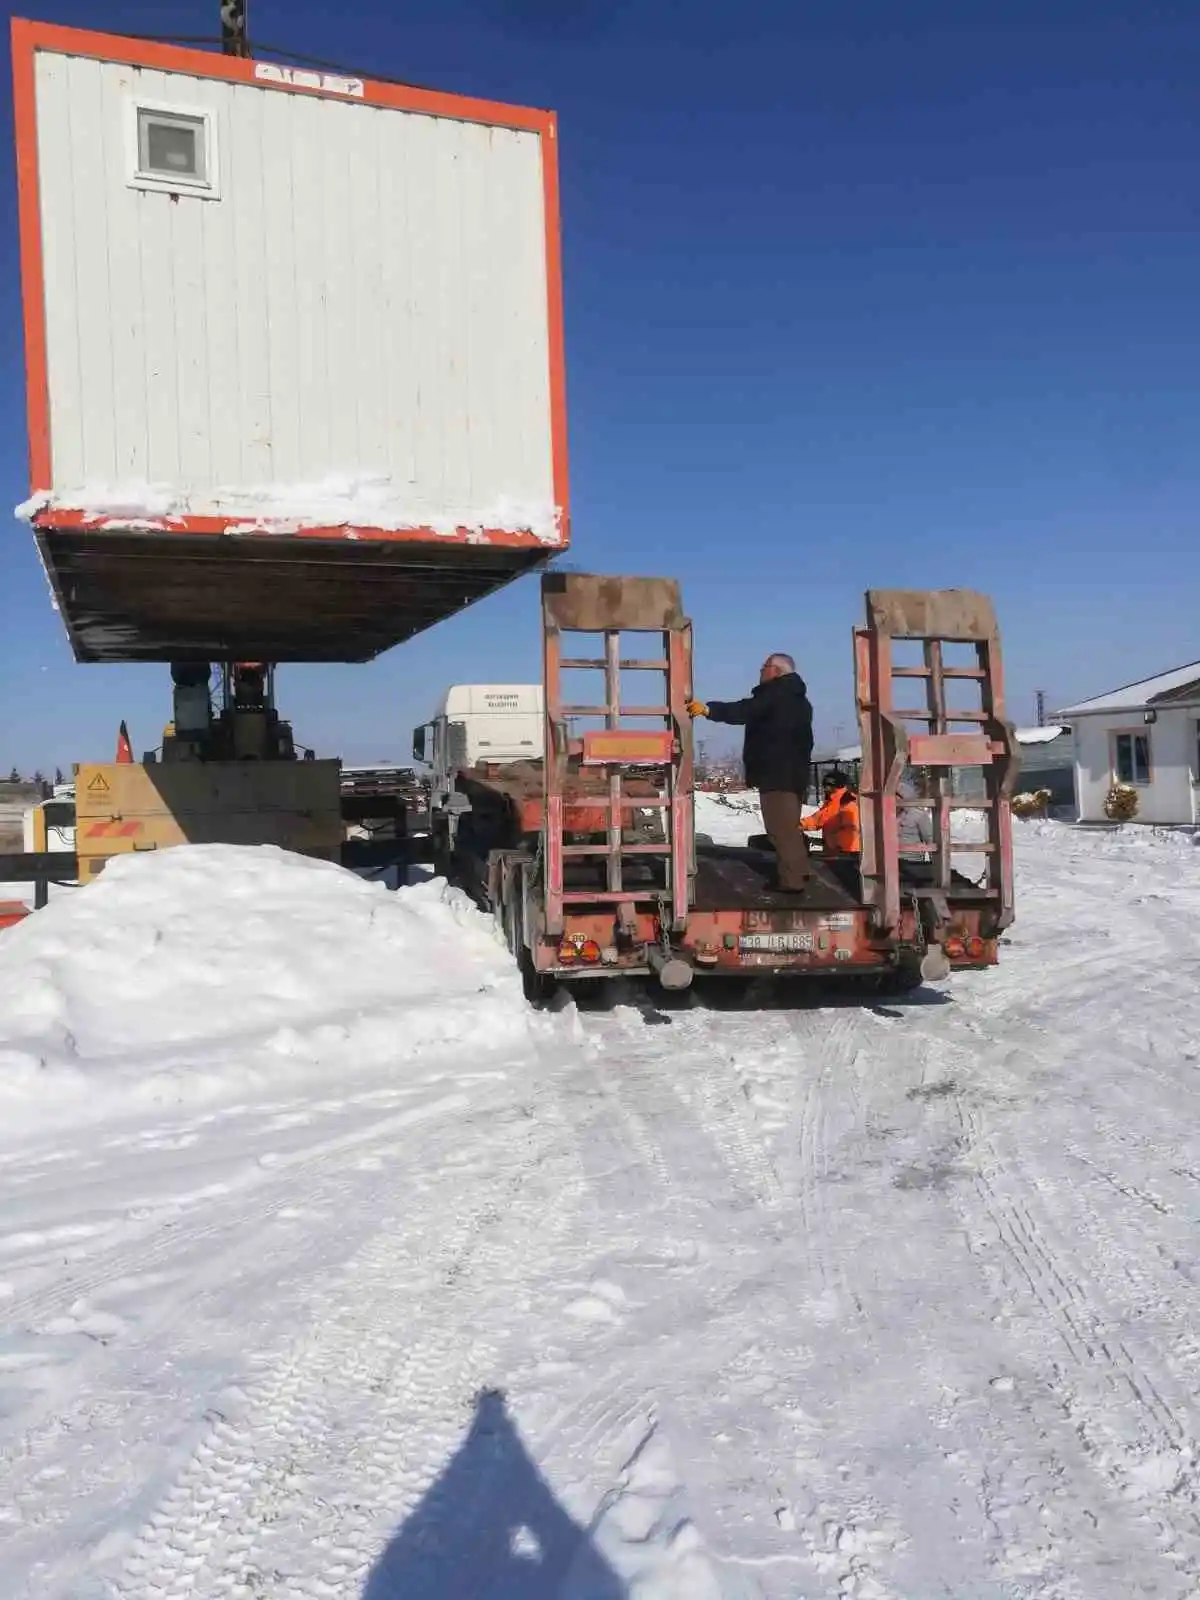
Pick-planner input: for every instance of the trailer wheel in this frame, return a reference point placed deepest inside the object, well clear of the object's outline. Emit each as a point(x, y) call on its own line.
point(904, 977)
point(440, 853)
point(539, 987)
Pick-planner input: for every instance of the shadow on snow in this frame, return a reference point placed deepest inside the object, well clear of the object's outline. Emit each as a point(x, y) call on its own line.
point(490, 1527)
point(656, 1005)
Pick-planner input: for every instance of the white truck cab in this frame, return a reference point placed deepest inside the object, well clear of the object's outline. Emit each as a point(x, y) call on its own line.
point(498, 722)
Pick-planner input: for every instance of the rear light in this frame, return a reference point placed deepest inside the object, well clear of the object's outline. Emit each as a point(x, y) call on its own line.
point(976, 948)
point(955, 949)
point(572, 952)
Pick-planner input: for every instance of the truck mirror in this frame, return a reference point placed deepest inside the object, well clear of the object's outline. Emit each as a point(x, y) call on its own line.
point(419, 743)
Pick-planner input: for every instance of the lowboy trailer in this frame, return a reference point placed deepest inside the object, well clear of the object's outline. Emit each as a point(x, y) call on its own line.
point(589, 860)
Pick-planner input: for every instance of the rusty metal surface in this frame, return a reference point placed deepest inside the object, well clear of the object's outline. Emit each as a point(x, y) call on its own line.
point(934, 618)
point(589, 602)
point(636, 746)
point(165, 596)
point(598, 604)
point(521, 786)
point(955, 615)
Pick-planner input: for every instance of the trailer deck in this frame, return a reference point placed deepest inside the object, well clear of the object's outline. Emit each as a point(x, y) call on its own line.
point(730, 877)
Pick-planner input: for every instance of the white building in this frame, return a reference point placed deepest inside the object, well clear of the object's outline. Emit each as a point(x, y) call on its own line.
point(1146, 734)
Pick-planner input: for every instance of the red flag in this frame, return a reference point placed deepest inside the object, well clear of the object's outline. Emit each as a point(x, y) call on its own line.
point(124, 748)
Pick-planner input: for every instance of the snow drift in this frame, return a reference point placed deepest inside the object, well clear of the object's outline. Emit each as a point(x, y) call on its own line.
point(215, 968)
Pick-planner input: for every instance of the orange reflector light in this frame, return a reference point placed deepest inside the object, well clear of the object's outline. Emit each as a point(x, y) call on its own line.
point(589, 950)
point(976, 948)
point(566, 953)
point(955, 949)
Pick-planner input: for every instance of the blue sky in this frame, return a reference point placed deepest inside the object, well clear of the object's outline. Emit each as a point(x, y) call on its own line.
point(856, 295)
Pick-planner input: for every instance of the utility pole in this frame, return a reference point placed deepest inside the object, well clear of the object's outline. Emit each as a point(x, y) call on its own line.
point(1039, 696)
point(234, 39)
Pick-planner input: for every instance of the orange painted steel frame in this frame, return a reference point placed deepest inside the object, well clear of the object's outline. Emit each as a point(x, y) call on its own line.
point(672, 743)
point(30, 37)
point(888, 918)
point(888, 747)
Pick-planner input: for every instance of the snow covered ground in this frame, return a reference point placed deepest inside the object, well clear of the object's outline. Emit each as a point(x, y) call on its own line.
point(328, 1270)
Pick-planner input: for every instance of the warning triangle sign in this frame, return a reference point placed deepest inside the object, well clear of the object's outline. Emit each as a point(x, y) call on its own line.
point(98, 785)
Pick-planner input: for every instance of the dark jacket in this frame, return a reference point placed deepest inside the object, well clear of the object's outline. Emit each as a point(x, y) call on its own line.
point(778, 722)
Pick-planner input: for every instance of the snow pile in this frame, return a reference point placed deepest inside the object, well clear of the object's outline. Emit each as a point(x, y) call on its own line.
point(367, 501)
point(728, 818)
point(1107, 842)
point(214, 968)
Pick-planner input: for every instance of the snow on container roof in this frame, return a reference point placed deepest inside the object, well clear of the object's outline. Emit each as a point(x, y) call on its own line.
point(1181, 684)
point(294, 349)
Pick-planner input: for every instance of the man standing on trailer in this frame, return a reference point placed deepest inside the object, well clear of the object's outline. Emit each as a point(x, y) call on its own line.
point(777, 754)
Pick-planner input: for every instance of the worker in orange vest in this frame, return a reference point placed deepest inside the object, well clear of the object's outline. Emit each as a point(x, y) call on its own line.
point(837, 817)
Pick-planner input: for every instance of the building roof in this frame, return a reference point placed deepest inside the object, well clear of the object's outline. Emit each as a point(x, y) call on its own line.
point(1179, 686)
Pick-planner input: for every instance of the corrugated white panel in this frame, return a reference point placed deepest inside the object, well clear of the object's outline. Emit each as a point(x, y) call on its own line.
point(366, 298)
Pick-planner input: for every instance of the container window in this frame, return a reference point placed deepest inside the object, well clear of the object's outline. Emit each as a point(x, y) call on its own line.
point(173, 150)
point(171, 147)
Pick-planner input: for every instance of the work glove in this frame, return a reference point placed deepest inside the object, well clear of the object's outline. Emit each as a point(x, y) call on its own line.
point(697, 708)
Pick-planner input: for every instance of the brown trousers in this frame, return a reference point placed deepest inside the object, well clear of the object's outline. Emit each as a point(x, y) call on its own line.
point(781, 813)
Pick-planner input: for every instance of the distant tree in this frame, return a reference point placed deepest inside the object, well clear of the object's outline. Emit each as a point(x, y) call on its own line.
point(58, 776)
point(14, 776)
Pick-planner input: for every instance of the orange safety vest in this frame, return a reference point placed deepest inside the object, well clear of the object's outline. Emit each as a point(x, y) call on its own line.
point(838, 822)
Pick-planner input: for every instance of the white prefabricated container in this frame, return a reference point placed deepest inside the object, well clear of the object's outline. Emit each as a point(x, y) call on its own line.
point(266, 300)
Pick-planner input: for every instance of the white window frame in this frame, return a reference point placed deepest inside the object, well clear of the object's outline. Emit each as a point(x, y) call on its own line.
point(159, 183)
point(1132, 733)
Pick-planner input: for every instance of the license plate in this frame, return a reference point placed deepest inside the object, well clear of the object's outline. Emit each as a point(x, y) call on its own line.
point(785, 943)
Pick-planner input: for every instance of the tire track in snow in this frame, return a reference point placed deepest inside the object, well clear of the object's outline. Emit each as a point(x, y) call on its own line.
point(1008, 1452)
point(907, 1066)
point(1106, 1372)
point(1015, 1466)
point(391, 1404)
point(142, 1247)
point(1101, 1379)
point(305, 1174)
point(998, 1040)
point(705, 1100)
point(835, 1041)
point(719, 1098)
point(680, 1110)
